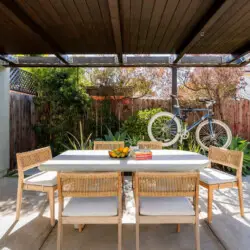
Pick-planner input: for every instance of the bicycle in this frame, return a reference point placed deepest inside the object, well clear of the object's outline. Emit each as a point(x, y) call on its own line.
point(169, 128)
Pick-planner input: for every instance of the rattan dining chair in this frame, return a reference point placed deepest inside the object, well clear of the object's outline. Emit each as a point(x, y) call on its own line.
point(149, 145)
point(214, 179)
point(161, 198)
point(108, 145)
point(96, 198)
point(42, 181)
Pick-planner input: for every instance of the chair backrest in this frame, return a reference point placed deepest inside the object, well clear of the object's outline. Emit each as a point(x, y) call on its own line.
point(34, 158)
point(149, 145)
point(108, 145)
point(171, 184)
point(79, 184)
point(226, 157)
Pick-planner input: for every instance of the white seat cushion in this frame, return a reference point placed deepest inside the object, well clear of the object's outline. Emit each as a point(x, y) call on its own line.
point(103, 206)
point(215, 176)
point(48, 179)
point(165, 206)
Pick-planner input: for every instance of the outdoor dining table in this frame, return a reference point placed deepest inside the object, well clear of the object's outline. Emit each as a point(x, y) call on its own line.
point(99, 161)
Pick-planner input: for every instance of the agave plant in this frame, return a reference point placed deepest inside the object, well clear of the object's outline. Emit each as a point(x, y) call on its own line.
point(118, 136)
point(78, 143)
point(133, 140)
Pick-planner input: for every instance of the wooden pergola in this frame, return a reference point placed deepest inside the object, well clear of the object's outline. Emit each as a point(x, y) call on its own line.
point(111, 33)
point(118, 33)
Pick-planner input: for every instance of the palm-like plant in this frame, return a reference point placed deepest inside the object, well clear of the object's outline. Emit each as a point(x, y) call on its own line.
point(78, 143)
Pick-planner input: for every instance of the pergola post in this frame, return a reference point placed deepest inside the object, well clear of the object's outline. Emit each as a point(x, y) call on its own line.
point(174, 85)
point(4, 121)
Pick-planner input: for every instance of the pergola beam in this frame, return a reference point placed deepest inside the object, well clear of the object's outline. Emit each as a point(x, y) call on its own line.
point(7, 60)
point(212, 16)
point(116, 26)
point(125, 65)
point(245, 63)
point(241, 52)
point(29, 22)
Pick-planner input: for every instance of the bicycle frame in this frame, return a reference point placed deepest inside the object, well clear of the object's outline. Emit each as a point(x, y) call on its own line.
point(208, 116)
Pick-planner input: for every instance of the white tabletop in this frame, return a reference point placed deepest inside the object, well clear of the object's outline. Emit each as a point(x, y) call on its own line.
point(99, 160)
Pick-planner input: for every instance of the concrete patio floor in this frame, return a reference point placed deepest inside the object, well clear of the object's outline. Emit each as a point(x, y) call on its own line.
point(33, 231)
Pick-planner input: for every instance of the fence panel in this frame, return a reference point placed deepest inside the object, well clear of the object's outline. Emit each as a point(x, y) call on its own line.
point(22, 121)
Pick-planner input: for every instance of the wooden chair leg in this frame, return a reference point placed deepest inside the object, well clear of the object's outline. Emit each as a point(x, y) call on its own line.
point(120, 235)
point(137, 235)
point(210, 205)
point(52, 206)
point(178, 229)
point(59, 234)
point(197, 235)
point(240, 192)
point(19, 200)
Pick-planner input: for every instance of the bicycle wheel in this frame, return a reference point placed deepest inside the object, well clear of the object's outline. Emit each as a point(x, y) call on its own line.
point(222, 135)
point(164, 127)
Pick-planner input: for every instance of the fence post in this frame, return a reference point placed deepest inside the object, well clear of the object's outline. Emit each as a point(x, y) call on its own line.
point(4, 121)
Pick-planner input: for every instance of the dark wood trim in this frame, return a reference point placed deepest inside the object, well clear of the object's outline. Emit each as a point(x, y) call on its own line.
point(124, 65)
point(116, 26)
point(11, 63)
point(28, 21)
point(212, 16)
point(245, 63)
point(242, 51)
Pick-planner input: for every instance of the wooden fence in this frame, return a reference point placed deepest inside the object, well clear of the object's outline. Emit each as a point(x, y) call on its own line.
point(236, 113)
point(22, 121)
point(23, 118)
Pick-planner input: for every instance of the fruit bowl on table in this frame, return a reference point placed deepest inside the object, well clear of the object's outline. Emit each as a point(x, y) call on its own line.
point(119, 153)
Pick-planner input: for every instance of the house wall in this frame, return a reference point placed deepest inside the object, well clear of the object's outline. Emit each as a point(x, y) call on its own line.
point(4, 121)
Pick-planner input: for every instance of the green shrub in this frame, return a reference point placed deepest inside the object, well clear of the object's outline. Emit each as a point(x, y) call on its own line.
point(136, 125)
point(240, 144)
point(190, 144)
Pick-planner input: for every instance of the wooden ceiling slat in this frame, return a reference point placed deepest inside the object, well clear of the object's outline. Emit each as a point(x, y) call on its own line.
point(97, 19)
point(146, 15)
point(38, 11)
point(197, 17)
point(165, 20)
point(239, 34)
point(48, 8)
point(136, 7)
point(174, 26)
point(17, 36)
point(227, 23)
point(212, 16)
point(64, 15)
point(240, 29)
point(104, 8)
point(183, 24)
point(79, 25)
point(89, 25)
point(125, 23)
point(115, 19)
point(238, 43)
point(159, 8)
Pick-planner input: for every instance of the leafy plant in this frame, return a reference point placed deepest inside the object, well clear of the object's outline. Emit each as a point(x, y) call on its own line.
point(117, 136)
point(240, 144)
point(61, 102)
point(136, 125)
point(78, 144)
point(133, 140)
point(190, 144)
